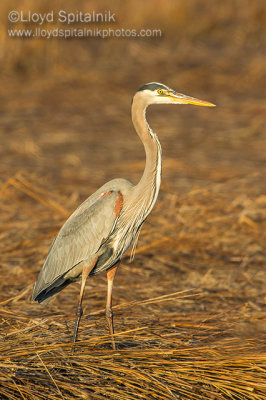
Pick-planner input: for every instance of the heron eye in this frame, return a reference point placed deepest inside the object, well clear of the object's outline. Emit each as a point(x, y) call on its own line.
point(160, 91)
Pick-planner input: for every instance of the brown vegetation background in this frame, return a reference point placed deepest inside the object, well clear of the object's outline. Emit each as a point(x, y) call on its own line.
point(189, 313)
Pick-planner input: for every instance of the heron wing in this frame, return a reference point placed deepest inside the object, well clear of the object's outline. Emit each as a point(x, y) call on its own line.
point(79, 239)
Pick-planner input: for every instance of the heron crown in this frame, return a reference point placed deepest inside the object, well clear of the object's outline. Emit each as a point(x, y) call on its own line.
point(152, 86)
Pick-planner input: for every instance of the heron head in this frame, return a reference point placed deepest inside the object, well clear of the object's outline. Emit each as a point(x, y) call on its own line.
point(157, 93)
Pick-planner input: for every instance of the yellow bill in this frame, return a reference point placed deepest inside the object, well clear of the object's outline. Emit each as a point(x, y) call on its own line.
point(184, 99)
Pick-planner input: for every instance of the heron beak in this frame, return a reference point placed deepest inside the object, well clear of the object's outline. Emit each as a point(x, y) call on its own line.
point(180, 98)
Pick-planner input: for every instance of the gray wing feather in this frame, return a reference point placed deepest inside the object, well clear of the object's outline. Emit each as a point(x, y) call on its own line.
point(79, 239)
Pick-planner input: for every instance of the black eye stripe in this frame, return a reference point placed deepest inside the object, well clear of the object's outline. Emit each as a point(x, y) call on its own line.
point(153, 86)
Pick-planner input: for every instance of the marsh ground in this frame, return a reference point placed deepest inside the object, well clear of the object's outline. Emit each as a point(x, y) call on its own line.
point(189, 308)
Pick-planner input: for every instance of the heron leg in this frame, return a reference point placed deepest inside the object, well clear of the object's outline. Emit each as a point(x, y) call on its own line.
point(108, 310)
point(79, 311)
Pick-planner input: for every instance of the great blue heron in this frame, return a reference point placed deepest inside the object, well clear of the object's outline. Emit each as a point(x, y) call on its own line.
point(98, 233)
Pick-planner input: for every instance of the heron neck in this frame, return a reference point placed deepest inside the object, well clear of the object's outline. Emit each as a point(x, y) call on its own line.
point(151, 177)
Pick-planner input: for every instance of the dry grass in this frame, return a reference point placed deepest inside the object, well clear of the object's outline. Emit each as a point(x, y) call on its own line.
point(205, 342)
point(190, 309)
